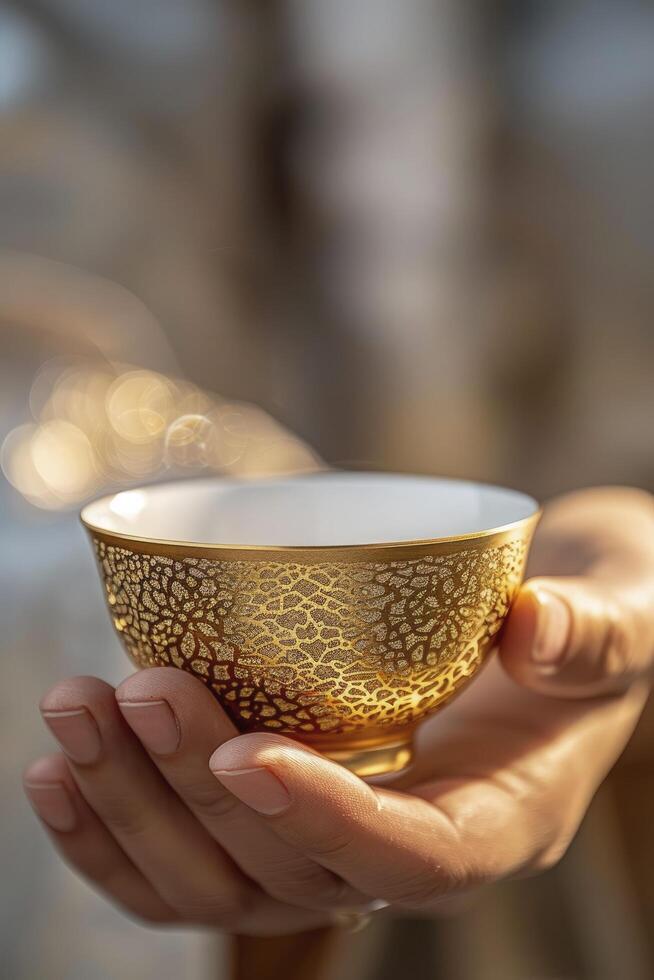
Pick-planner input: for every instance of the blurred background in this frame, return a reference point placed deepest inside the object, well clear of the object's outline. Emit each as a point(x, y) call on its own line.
point(265, 237)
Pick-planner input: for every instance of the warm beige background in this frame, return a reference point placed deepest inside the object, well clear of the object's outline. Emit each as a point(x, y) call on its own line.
point(418, 233)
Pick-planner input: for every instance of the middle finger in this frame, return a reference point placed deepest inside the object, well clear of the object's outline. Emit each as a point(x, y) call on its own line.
point(180, 724)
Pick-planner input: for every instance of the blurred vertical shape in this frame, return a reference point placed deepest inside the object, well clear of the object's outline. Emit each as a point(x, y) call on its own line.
point(389, 166)
point(24, 58)
point(576, 195)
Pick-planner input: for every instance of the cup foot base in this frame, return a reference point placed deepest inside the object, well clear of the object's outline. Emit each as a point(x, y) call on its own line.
point(374, 760)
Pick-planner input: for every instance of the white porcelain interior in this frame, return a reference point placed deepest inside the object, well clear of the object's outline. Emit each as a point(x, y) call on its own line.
point(331, 508)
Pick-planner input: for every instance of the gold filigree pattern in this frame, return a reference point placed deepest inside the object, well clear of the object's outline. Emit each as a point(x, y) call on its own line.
point(316, 649)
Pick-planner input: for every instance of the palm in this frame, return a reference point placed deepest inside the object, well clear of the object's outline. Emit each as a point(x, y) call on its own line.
point(491, 727)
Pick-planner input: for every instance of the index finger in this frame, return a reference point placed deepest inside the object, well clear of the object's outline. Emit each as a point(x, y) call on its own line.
point(448, 834)
point(180, 724)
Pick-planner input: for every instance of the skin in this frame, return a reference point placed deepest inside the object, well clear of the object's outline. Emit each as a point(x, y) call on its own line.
point(501, 781)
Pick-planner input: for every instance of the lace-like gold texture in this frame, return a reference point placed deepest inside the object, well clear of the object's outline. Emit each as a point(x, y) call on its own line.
point(316, 649)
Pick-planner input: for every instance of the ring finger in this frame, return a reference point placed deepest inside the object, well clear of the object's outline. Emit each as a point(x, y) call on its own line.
point(87, 846)
point(160, 836)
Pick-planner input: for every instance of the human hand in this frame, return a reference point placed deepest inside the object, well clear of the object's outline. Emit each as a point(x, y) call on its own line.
point(131, 804)
point(283, 837)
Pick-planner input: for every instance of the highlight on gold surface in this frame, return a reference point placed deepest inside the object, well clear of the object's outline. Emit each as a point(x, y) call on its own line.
point(96, 424)
point(346, 654)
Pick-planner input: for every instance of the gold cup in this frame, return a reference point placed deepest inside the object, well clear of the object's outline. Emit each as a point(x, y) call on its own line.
point(345, 646)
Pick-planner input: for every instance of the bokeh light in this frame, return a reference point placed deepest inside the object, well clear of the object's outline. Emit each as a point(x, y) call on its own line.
point(97, 426)
point(64, 459)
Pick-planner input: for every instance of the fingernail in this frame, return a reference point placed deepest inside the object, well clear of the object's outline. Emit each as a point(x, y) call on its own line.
point(53, 805)
point(76, 732)
point(154, 723)
point(257, 788)
point(552, 629)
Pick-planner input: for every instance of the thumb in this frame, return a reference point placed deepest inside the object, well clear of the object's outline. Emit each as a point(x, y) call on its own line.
point(577, 637)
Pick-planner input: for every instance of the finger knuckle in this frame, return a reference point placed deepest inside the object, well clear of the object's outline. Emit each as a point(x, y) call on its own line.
point(423, 889)
point(209, 801)
point(297, 880)
point(616, 648)
point(332, 848)
point(104, 872)
point(124, 818)
point(153, 917)
point(214, 908)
